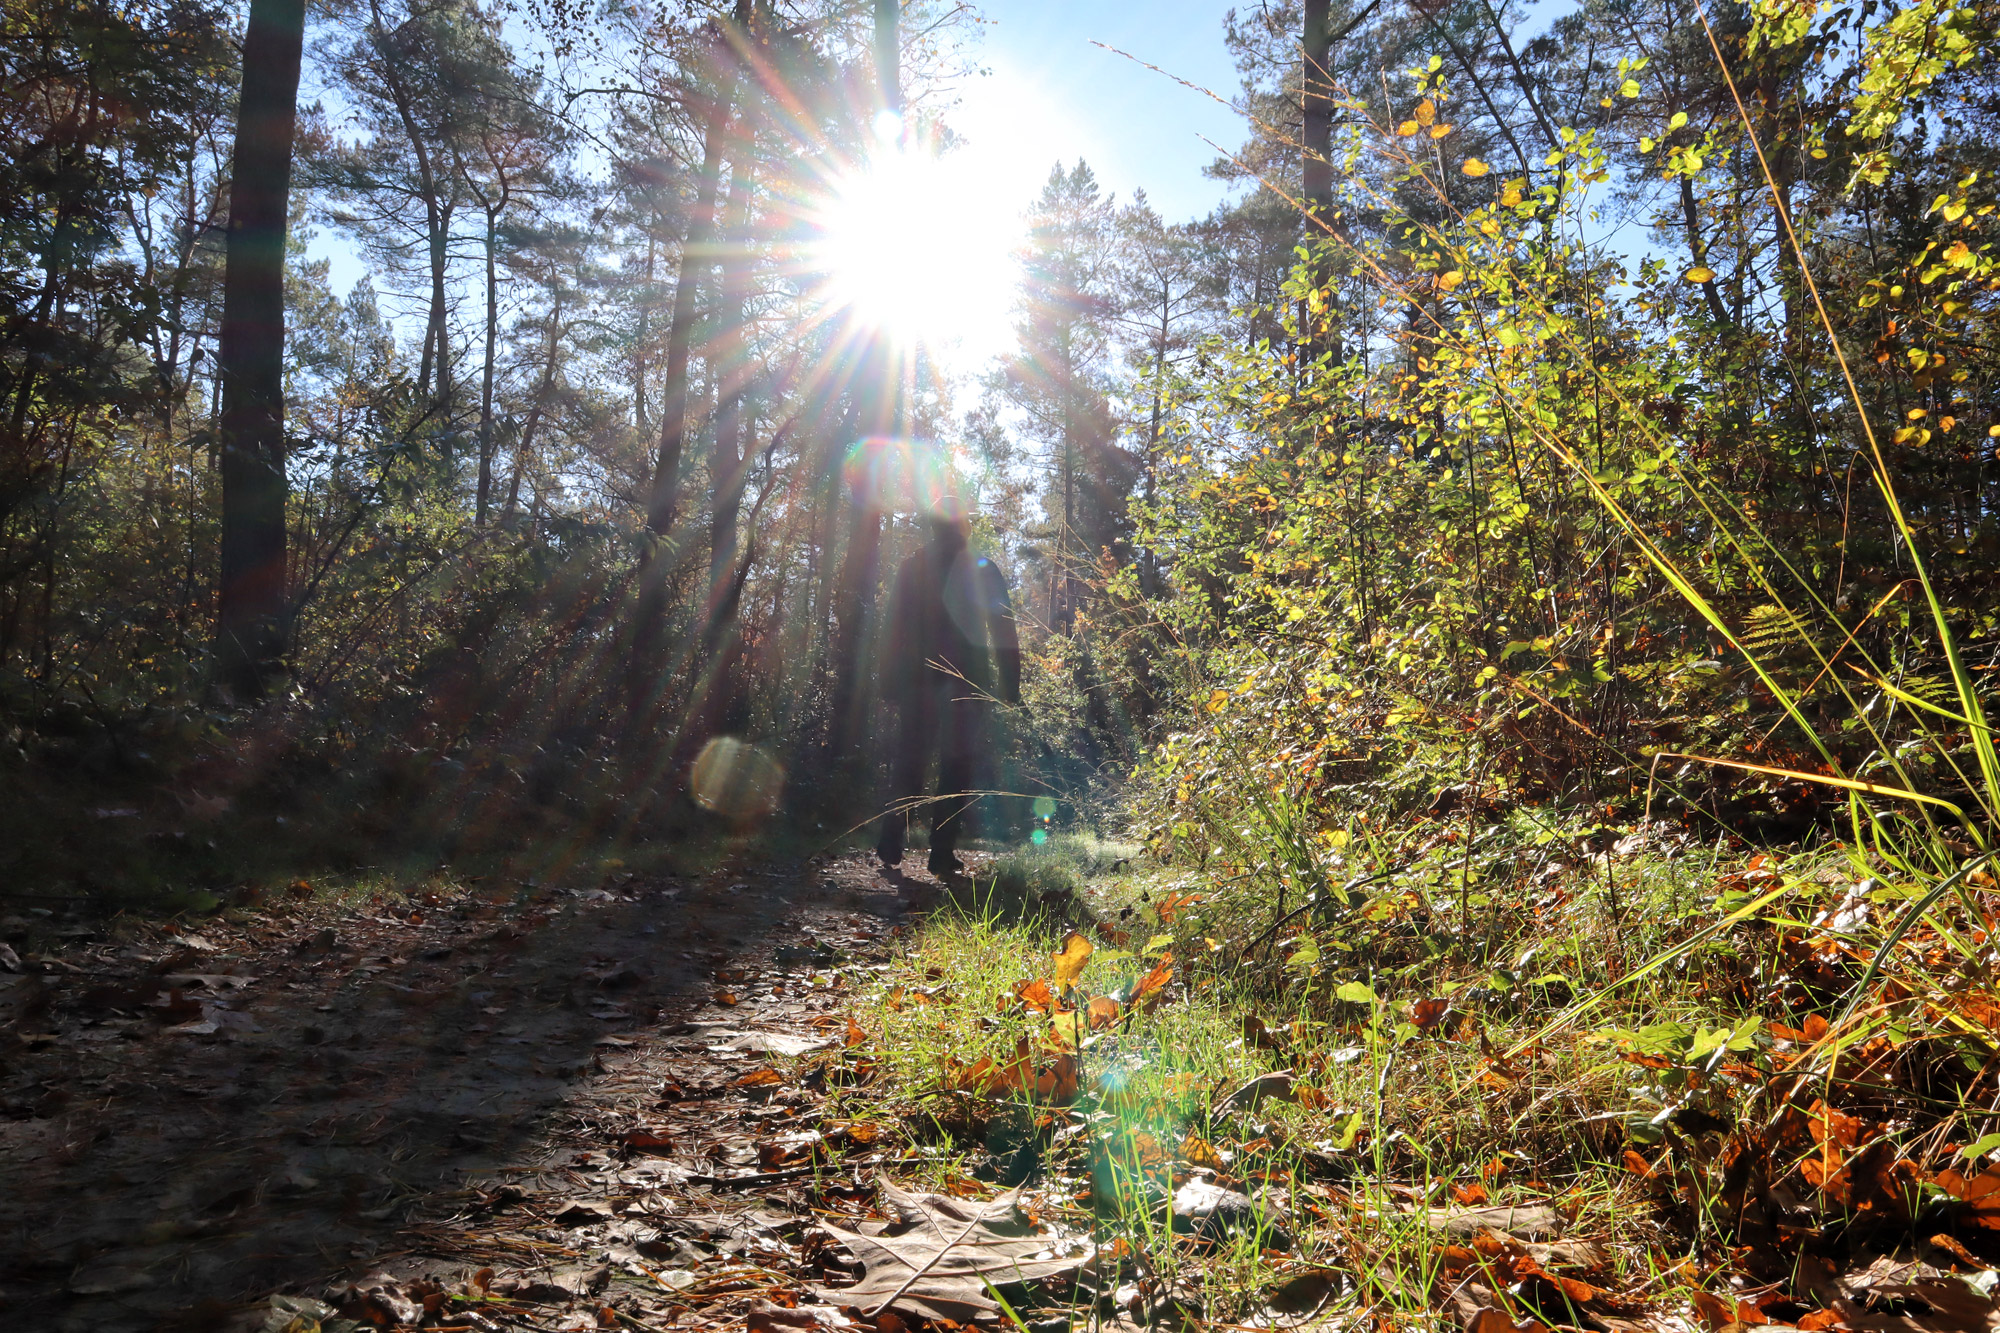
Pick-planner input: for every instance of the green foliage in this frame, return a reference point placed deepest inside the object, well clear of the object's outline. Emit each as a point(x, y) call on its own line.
point(1557, 520)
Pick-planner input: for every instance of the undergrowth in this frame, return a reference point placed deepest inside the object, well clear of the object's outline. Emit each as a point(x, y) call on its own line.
point(1647, 1072)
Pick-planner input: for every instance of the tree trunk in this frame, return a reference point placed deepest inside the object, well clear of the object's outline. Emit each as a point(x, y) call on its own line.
point(486, 385)
point(724, 708)
point(697, 257)
point(535, 411)
point(880, 386)
point(437, 217)
point(251, 611)
point(1316, 170)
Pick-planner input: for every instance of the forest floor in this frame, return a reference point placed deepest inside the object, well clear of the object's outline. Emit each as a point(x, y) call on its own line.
point(325, 1095)
point(799, 1096)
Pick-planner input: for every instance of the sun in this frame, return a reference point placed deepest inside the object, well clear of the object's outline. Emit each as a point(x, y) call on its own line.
point(919, 246)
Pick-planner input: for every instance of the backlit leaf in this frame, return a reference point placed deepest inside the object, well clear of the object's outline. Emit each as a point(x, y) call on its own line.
point(1069, 961)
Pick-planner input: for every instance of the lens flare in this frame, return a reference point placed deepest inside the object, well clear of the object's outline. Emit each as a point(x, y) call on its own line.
point(920, 247)
point(737, 780)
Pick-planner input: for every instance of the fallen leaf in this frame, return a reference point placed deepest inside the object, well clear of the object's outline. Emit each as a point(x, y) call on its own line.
point(943, 1267)
point(1035, 996)
point(1069, 960)
point(1526, 1220)
point(1151, 988)
point(728, 999)
point(1102, 1012)
point(1490, 1320)
point(1470, 1195)
point(1427, 1014)
point(647, 1140)
point(855, 1035)
point(1057, 1083)
point(1197, 1151)
point(1260, 1036)
point(1277, 1085)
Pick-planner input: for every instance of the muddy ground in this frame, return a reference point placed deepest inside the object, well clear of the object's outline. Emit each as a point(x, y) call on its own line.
point(317, 1099)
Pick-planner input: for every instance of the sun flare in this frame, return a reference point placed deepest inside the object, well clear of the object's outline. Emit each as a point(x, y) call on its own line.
point(922, 248)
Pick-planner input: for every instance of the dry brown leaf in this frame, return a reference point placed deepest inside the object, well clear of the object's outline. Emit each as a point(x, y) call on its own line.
point(943, 1267)
point(1103, 1012)
point(647, 1140)
point(1470, 1195)
point(1427, 1014)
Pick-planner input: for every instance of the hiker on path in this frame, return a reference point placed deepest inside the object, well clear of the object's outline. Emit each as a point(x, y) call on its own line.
point(952, 651)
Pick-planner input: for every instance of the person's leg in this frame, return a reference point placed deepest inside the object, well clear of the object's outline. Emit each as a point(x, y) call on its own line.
point(916, 727)
point(952, 811)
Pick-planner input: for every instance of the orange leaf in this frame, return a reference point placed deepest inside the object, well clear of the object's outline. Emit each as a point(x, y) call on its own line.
point(647, 1140)
point(1469, 1195)
point(1103, 1012)
point(855, 1035)
point(1035, 995)
point(1714, 1312)
point(1639, 1166)
point(1427, 1014)
point(1057, 1083)
point(1197, 1151)
point(1151, 987)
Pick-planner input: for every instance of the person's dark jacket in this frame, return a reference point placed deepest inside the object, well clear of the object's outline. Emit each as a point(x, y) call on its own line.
point(949, 616)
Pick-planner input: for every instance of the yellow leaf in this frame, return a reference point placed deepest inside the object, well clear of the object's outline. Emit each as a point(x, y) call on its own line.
point(1439, 131)
point(1700, 273)
point(1474, 167)
point(1946, 423)
point(1407, 128)
point(1511, 195)
point(1490, 227)
point(1917, 414)
point(1450, 279)
point(1070, 959)
point(1426, 111)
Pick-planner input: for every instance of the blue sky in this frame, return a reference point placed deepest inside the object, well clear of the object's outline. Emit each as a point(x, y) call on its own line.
point(1135, 127)
point(1045, 94)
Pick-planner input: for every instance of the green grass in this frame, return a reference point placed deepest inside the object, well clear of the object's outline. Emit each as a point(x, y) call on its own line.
point(1522, 1054)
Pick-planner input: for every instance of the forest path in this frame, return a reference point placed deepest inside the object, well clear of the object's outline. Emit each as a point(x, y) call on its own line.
point(197, 1117)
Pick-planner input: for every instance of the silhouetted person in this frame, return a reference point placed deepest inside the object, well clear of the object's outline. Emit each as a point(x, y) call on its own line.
point(952, 651)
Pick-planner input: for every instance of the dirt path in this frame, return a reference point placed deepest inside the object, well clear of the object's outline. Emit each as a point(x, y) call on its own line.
point(190, 1120)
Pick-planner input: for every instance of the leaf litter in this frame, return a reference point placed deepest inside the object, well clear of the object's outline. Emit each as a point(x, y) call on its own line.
point(694, 1174)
